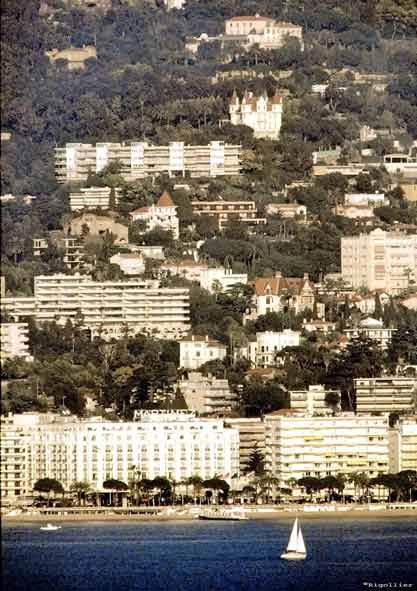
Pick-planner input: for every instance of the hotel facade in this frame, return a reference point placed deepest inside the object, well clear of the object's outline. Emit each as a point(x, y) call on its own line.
point(175, 444)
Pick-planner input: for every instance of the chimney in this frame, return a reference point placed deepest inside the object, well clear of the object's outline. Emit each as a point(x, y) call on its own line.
point(306, 276)
point(278, 274)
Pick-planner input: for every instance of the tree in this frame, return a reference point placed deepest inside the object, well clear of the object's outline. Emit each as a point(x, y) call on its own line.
point(114, 485)
point(81, 488)
point(256, 462)
point(48, 485)
point(164, 485)
point(197, 483)
point(311, 485)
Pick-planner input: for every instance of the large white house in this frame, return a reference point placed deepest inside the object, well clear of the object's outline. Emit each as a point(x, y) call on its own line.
point(162, 214)
point(262, 351)
point(196, 350)
point(262, 113)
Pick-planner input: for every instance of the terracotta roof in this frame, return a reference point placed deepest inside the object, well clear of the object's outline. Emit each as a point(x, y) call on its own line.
point(165, 200)
point(140, 210)
point(278, 283)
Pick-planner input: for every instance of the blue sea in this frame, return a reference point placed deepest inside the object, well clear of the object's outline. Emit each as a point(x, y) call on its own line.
point(345, 555)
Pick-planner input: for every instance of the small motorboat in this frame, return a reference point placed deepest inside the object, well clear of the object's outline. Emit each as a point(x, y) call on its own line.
point(50, 527)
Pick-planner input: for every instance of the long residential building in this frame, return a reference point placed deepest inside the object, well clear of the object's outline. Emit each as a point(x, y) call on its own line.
point(138, 160)
point(244, 212)
point(299, 445)
point(175, 444)
point(386, 394)
point(380, 260)
point(207, 394)
point(107, 308)
point(93, 198)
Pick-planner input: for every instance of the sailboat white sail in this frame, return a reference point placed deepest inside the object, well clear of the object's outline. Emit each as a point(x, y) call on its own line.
point(296, 549)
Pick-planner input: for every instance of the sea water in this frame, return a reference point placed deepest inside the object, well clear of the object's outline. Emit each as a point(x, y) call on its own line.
point(345, 555)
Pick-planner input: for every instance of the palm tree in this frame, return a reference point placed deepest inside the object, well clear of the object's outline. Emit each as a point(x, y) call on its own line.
point(341, 480)
point(48, 485)
point(114, 485)
point(266, 484)
point(197, 483)
point(360, 481)
point(164, 485)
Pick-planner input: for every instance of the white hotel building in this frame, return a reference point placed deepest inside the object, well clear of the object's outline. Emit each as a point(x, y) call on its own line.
point(107, 308)
point(380, 260)
point(15, 340)
point(139, 160)
point(175, 444)
point(299, 445)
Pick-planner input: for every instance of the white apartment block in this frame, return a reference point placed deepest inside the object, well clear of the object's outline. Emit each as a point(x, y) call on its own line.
point(139, 160)
point(162, 214)
point(243, 212)
point(403, 445)
point(92, 198)
point(251, 437)
point(15, 340)
point(207, 394)
point(380, 260)
point(196, 350)
point(108, 308)
point(175, 444)
point(15, 458)
point(386, 394)
point(287, 210)
point(373, 329)
point(260, 113)
point(313, 400)
point(376, 199)
point(300, 445)
point(262, 352)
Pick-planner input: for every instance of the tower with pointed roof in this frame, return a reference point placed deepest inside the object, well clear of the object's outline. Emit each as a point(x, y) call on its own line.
point(262, 113)
point(163, 214)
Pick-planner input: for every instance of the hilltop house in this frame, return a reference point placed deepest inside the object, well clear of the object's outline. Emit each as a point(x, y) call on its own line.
point(279, 293)
point(162, 214)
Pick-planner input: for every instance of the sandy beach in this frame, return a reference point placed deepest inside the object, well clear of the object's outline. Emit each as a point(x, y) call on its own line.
point(264, 513)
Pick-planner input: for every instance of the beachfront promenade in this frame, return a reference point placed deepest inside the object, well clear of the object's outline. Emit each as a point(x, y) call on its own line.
point(191, 512)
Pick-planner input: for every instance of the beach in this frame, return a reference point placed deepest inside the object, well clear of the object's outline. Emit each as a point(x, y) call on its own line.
point(191, 513)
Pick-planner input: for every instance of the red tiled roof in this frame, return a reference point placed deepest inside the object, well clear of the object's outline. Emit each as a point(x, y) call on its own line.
point(278, 284)
point(140, 210)
point(165, 200)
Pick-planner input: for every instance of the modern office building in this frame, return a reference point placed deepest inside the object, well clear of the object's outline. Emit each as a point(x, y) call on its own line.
point(175, 444)
point(138, 160)
point(380, 260)
point(299, 445)
point(386, 394)
point(107, 308)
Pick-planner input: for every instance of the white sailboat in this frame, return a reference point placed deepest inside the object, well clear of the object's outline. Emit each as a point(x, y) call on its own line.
point(296, 549)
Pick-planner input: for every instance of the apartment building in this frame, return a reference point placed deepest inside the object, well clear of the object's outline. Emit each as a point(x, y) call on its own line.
point(261, 113)
point(15, 340)
point(314, 400)
point(93, 198)
point(279, 293)
point(373, 329)
point(15, 462)
point(196, 350)
point(108, 308)
point(175, 444)
point(379, 260)
point(162, 214)
point(207, 394)
point(139, 160)
point(262, 352)
point(299, 445)
point(403, 445)
point(244, 212)
point(251, 437)
point(386, 394)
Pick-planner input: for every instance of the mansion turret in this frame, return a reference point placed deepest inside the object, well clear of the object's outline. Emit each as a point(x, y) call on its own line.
point(262, 113)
